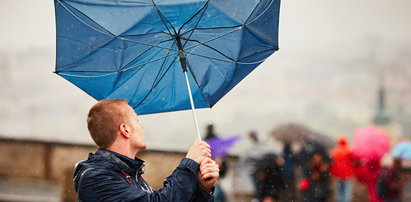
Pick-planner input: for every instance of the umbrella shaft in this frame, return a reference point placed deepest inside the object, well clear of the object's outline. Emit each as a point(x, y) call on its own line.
point(192, 105)
point(183, 60)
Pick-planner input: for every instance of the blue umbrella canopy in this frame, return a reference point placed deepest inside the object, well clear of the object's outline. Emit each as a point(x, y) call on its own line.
point(402, 151)
point(138, 49)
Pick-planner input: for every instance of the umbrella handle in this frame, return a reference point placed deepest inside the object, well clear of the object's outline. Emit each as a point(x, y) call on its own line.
point(192, 105)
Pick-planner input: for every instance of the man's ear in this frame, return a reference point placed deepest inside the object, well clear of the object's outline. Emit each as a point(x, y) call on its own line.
point(125, 130)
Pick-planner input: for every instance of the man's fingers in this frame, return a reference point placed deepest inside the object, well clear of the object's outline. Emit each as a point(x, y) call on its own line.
point(209, 170)
point(208, 165)
point(212, 175)
point(200, 142)
point(206, 161)
point(204, 148)
point(205, 144)
point(204, 166)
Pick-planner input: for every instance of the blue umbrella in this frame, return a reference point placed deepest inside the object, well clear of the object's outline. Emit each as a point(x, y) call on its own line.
point(402, 151)
point(151, 52)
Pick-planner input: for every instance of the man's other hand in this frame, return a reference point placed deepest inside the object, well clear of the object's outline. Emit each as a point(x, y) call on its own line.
point(199, 150)
point(208, 174)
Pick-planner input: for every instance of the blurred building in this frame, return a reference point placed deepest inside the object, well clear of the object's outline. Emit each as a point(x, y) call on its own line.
point(382, 118)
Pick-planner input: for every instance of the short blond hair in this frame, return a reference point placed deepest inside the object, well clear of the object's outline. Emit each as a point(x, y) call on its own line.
point(104, 120)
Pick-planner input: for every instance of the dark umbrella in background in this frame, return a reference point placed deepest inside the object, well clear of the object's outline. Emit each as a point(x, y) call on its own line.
point(291, 132)
point(151, 52)
point(322, 140)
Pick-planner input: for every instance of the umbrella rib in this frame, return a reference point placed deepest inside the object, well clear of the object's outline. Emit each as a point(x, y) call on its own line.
point(208, 46)
point(115, 72)
point(83, 76)
point(139, 65)
point(205, 6)
point(135, 58)
point(130, 2)
point(126, 35)
point(162, 65)
point(82, 21)
point(204, 28)
point(156, 83)
point(212, 58)
point(262, 13)
point(110, 34)
point(198, 21)
point(271, 49)
point(135, 66)
point(217, 37)
point(212, 39)
point(138, 42)
point(164, 19)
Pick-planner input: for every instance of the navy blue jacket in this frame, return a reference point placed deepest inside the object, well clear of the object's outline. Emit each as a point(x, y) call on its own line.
point(109, 176)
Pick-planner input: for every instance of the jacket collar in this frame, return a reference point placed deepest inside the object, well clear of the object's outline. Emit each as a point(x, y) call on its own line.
point(124, 163)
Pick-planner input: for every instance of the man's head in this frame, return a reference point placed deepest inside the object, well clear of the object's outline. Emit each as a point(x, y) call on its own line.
point(397, 163)
point(113, 120)
point(253, 136)
point(342, 141)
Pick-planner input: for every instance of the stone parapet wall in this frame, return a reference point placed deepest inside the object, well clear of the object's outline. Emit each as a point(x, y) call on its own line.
point(47, 160)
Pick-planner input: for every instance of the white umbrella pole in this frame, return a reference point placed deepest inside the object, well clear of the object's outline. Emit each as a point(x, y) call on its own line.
point(192, 105)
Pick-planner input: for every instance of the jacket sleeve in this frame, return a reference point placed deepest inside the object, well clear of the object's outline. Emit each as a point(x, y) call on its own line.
point(202, 196)
point(104, 185)
point(184, 184)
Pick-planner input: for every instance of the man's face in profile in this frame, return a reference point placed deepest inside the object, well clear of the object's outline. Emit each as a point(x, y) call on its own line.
point(137, 134)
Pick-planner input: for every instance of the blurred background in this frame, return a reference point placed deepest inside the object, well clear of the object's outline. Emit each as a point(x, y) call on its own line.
point(341, 65)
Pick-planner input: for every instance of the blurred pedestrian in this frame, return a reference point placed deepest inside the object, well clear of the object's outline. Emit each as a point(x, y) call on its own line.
point(315, 185)
point(288, 174)
point(252, 158)
point(308, 149)
point(367, 171)
point(210, 132)
point(391, 182)
point(114, 172)
point(270, 179)
point(342, 169)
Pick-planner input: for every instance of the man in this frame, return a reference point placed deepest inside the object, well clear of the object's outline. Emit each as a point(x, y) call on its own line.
point(113, 173)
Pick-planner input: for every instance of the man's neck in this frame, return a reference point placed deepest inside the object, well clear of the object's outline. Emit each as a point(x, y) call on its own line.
point(125, 151)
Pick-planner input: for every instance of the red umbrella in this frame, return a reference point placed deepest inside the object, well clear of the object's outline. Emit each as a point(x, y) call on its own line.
point(370, 143)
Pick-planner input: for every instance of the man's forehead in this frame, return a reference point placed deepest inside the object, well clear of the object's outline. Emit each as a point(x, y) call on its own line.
point(129, 109)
